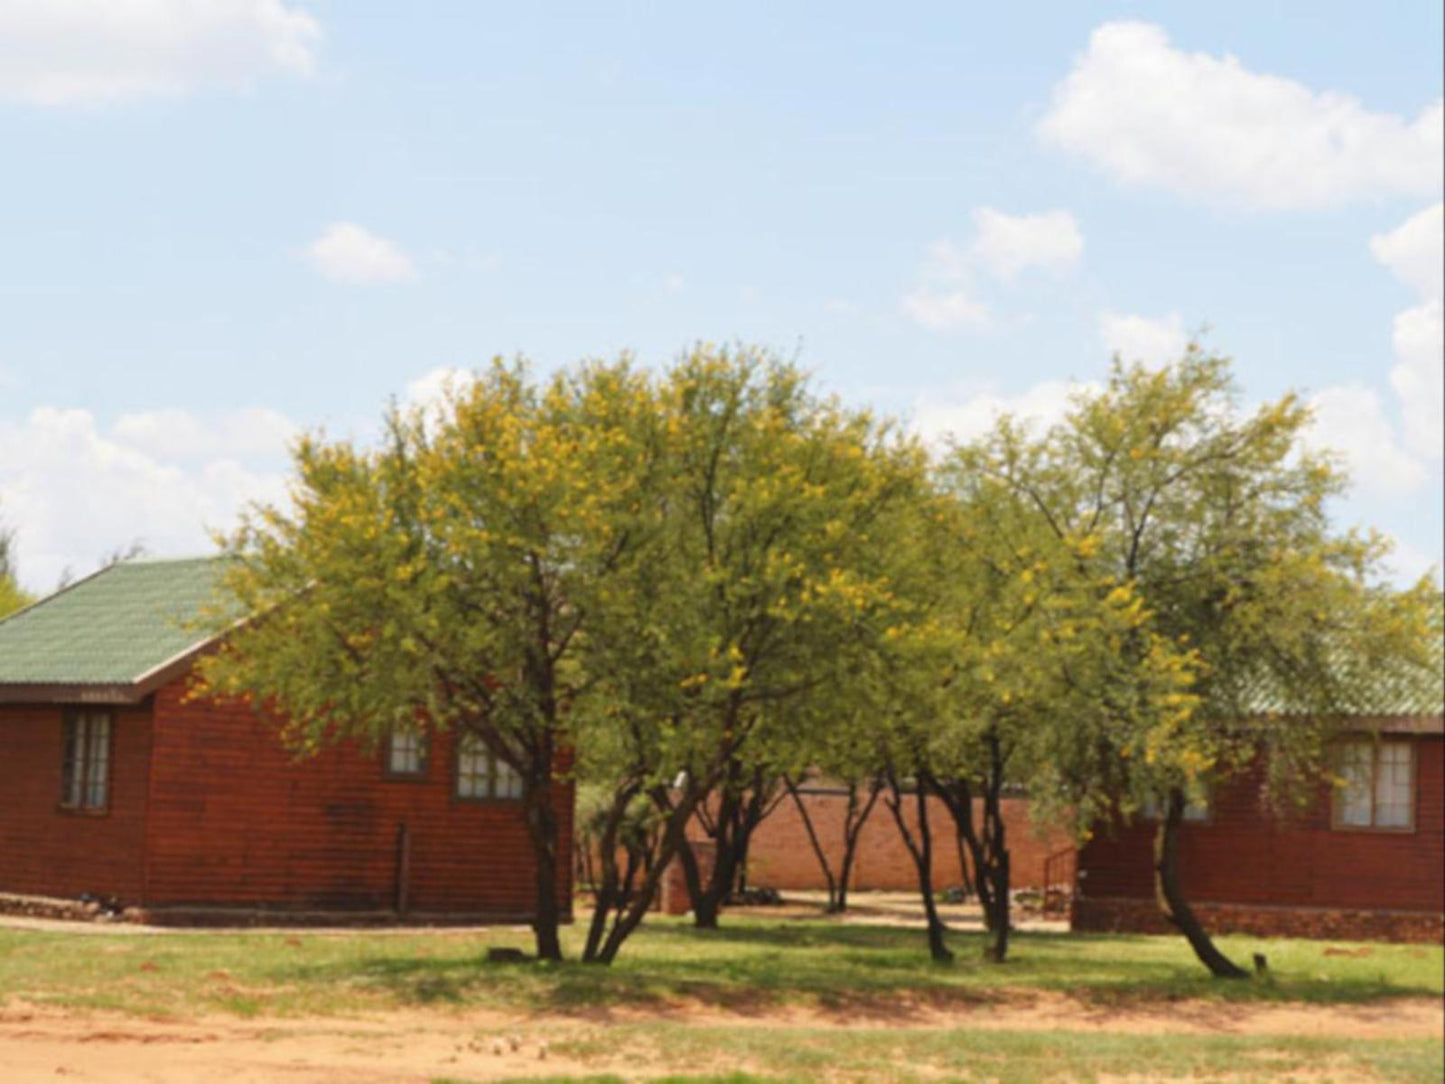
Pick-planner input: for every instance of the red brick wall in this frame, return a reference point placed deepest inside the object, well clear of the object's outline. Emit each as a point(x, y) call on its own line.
point(1259, 920)
point(782, 857)
point(1245, 855)
point(235, 820)
point(47, 852)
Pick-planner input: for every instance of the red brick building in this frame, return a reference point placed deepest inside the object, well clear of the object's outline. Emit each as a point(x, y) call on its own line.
point(1366, 859)
point(113, 783)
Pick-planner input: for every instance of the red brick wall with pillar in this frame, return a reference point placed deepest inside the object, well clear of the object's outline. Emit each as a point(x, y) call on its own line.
point(781, 855)
point(1245, 854)
point(237, 820)
point(48, 851)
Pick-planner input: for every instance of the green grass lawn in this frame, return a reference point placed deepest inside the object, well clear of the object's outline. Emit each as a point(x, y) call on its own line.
point(913, 1057)
point(749, 964)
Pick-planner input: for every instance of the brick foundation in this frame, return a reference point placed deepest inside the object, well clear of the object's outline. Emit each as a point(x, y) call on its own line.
point(1142, 916)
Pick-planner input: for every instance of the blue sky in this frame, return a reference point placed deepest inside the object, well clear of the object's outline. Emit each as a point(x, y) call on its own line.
point(228, 221)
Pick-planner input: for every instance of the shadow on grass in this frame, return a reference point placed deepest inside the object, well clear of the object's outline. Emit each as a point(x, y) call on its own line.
point(754, 967)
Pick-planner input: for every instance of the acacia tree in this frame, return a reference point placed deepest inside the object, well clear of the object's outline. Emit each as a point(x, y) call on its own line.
point(1215, 521)
point(1017, 650)
point(451, 578)
point(772, 593)
point(12, 597)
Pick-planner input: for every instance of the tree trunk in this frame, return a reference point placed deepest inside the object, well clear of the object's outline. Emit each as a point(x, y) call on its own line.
point(1170, 896)
point(673, 838)
point(542, 830)
point(852, 832)
point(833, 892)
point(608, 890)
point(921, 851)
point(996, 847)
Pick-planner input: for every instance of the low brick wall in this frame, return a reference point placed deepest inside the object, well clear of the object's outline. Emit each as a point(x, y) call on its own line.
point(1142, 916)
point(781, 855)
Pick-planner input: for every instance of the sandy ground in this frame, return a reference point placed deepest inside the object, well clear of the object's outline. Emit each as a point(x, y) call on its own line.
point(48, 1044)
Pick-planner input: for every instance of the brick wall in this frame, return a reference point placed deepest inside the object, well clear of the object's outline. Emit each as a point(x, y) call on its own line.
point(236, 820)
point(51, 852)
point(781, 855)
point(1333, 923)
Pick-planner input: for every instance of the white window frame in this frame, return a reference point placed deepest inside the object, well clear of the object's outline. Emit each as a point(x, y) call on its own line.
point(1375, 748)
point(480, 776)
point(413, 747)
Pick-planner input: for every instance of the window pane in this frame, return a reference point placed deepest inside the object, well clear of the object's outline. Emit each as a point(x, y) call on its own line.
point(71, 770)
point(471, 767)
point(404, 753)
point(1355, 798)
point(97, 773)
point(509, 783)
point(1392, 788)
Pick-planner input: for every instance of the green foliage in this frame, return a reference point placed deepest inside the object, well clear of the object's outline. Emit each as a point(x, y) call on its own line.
point(1208, 528)
point(12, 596)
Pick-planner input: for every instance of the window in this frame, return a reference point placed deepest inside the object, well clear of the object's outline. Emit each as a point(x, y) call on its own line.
point(481, 775)
point(1379, 785)
point(406, 754)
point(85, 769)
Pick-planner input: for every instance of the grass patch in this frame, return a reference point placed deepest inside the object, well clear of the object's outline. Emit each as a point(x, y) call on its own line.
point(749, 965)
point(914, 1056)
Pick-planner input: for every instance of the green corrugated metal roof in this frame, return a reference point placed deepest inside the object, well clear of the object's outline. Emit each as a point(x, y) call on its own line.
point(112, 627)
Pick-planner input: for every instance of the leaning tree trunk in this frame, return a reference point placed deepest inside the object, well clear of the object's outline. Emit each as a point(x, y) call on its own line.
point(1170, 896)
point(921, 851)
point(834, 896)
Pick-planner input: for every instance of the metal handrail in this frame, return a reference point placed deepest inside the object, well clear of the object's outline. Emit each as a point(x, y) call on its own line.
point(1053, 863)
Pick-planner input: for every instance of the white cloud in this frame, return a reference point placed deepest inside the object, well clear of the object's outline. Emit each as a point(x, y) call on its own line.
point(84, 52)
point(1414, 251)
point(180, 434)
point(941, 301)
point(941, 311)
point(1352, 421)
point(970, 411)
point(673, 283)
point(73, 492)
point(1149, 114)
point(348, 253)
point(1153, 341)
point(1415, 254)
point(1008, 244)
point(429, 391)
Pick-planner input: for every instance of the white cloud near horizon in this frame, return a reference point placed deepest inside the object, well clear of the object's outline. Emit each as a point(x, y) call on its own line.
point(969, 411)
point(1414, 252)
point(73, 492)
point(1007, 245)
point(1150, 340)
point(348, 253)
point(1352, 421)
point(90, 52)
point(1149, 114)
point(180, 434)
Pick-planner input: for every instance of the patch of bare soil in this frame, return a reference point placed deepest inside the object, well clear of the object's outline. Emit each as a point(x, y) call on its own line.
point(49, 1044)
